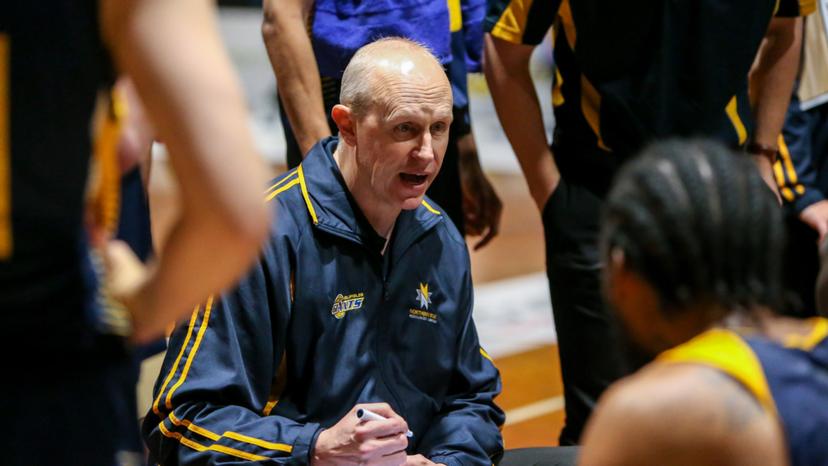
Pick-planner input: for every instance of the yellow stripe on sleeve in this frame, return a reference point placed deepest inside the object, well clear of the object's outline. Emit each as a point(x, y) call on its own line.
point(287, 177)
point(229, 434)
point(785, 154)
point(557, 89)
point(284, 188)
point(219, 448)
point(591, 109)
point(174, 368)
point(192, 355)
point(732, 111)
point(512, 22)
point(259, 442)
point(568, 23)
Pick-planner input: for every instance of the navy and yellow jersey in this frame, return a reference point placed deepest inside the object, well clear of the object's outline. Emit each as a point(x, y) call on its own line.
point(325, 321)
point(789, 380)
point(52, 66)
point(627, 73)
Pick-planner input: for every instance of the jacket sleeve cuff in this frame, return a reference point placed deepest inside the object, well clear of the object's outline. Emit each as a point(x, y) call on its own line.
point(305, 441)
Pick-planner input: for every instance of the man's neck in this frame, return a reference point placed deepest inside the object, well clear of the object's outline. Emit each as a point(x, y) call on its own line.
point(379, 214)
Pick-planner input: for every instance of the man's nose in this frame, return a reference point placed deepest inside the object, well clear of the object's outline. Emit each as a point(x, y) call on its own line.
point(425, 151)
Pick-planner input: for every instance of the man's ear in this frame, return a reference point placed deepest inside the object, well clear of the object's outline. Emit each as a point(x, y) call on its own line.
point(345, 120)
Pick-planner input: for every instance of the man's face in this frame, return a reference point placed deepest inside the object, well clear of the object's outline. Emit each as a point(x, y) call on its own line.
point(402, 139)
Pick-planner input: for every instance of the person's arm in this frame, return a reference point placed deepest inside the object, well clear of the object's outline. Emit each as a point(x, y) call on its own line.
point(294, 64)
point(466, 431)
point(771, 81)
point(681, 415)
point(173, 54)
point(482, 208)
point(507, 73)
point(215, 390)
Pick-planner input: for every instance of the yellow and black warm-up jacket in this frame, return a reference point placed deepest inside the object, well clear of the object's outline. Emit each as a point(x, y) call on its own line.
point(630, 72)
point(325, 321)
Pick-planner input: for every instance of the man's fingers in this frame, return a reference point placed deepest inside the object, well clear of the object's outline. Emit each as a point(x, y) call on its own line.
point(383, 448)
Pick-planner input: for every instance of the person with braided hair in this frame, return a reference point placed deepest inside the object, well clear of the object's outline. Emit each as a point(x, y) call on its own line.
point(693, 242)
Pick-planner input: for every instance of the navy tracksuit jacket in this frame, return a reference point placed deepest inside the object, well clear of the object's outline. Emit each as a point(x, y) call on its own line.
point(325, 321)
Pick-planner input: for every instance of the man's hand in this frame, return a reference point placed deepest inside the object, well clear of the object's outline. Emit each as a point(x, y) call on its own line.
point(127, 280)
point(351, 441)
point(420, 460)
point(816, 216)
point(765, 168)
point(482, 208)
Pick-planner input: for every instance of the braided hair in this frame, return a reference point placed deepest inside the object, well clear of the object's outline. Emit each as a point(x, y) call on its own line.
point(699, 224)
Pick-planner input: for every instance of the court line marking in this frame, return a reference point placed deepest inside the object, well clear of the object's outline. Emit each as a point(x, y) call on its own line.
point(534, 410)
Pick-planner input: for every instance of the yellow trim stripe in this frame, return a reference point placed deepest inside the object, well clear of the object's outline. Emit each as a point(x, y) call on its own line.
point(259, 442)
point(231, 435)
point(6, 243)
point(287, 177)
point(284, 188)
point(305, 194)
point(191, 356)
point(177, 361)
point(486, 355)
point(219, 448)
point(591, 109)
point(455, 16)
point(512, 22)
point(565, 13)
point(786, 159)
point(194, 428)
point(430, 209)
point(818, 334)
point(107, 174)
point(727, 352)
point(732, 111)
point(557, 89)
point(269, 406)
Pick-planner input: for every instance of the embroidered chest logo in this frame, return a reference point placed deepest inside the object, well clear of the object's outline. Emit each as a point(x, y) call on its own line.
point(346, 303)
point(423, 301)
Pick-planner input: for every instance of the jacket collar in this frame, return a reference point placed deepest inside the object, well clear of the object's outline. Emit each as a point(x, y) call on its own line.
point(333, 209)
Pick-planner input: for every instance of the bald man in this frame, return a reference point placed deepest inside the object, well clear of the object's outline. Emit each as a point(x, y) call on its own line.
point(362, 300)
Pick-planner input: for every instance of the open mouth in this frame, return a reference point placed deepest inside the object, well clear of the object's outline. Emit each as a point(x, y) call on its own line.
point(413, 179)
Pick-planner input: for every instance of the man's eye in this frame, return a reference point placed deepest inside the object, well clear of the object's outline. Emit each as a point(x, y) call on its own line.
point(404, 128)
point(438, 127)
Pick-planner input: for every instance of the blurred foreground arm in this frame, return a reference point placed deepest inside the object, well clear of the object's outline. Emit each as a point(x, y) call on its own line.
point(173, 54)
point(294, 64)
